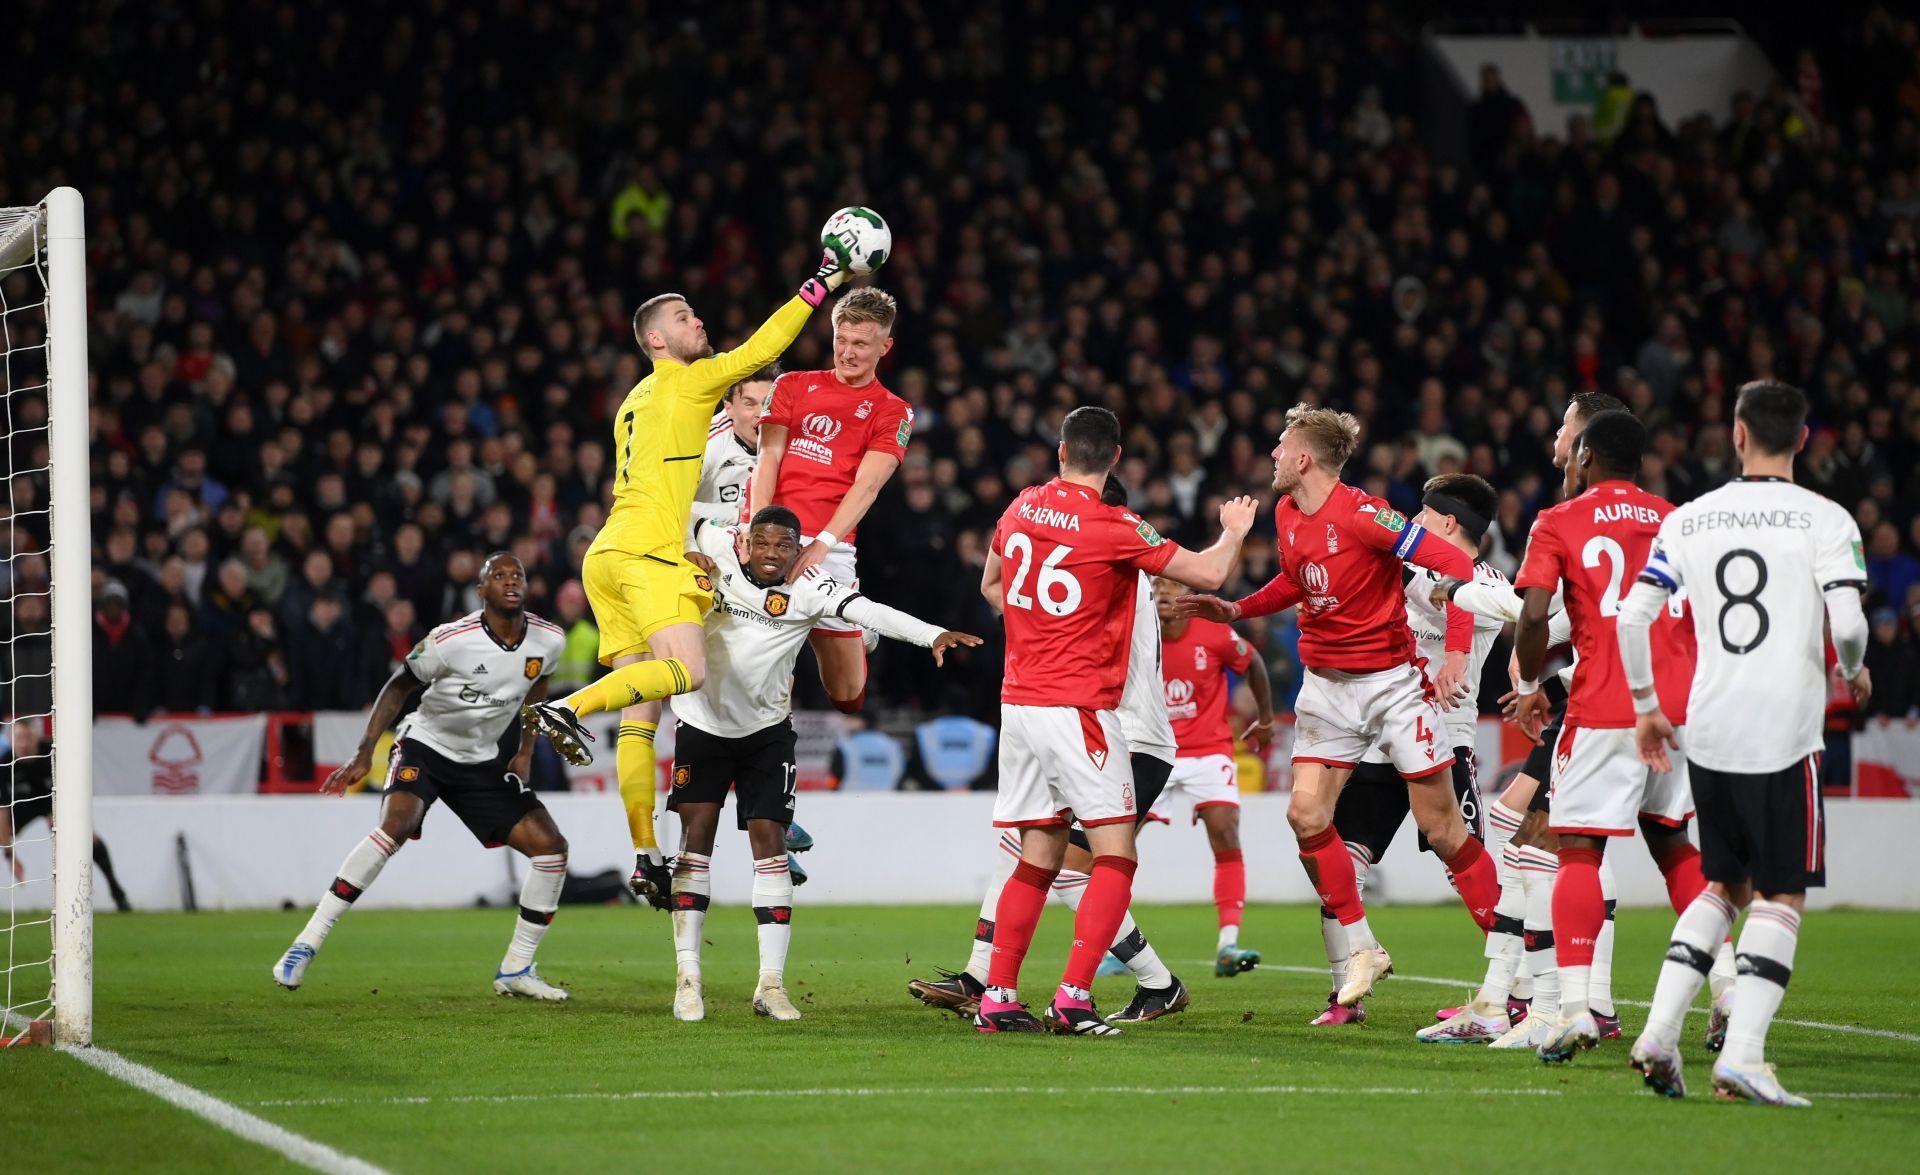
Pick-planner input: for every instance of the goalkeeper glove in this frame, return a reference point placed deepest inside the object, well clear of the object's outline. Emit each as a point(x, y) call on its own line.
point(828, 278)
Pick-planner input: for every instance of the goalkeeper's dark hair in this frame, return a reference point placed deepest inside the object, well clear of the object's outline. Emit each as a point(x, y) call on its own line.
point(1091, 438)
point(643, 317)
point(1617, 440)
point(766, 374)
point(1114, 493)
point(776, 516)
point(1775, 415)
point(1588, 405)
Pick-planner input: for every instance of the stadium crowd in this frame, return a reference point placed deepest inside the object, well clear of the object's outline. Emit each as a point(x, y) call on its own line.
point(362, 289)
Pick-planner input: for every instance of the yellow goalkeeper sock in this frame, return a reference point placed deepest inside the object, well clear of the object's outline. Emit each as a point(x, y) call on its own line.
point(630, 685)
point(634, 760)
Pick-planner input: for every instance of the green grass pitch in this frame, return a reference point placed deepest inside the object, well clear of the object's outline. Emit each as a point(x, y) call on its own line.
point(396, 1052)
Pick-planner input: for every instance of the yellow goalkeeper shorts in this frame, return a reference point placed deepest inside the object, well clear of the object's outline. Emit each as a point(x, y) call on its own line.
point(635, 596)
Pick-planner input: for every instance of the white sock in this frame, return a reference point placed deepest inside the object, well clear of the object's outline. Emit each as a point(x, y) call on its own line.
point(773, 909)
point(1721, 979)
point(1702, 924)
point(1505, 946)
point(1767, 944)
point(1132, 948)
point(1538, 869)
point(1069, 887)
point(1229, 936)
point(1360, 934)
point(539, 898)
point(357, 872)
point(1006, 855)
point(1600, 983)
point(692, 894)
point(1334, 936)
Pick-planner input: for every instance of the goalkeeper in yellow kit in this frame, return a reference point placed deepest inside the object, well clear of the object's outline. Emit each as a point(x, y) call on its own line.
point(649, 598)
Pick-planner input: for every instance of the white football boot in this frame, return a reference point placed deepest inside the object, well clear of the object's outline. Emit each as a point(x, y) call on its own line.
point(770, 1000)
point(1364, 969)
point(1752, 1083)
point(689, 1002)
point(527, 982)
point(292, 967)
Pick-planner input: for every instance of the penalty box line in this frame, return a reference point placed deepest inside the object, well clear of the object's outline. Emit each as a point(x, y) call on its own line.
point(1474, 984)
point(317, 1156)
point(648, 1095)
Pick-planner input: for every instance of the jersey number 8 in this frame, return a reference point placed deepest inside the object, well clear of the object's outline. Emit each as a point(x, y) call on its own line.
point(1059, 591)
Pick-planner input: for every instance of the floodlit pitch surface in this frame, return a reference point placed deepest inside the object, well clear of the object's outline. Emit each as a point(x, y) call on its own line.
point(397, 1055)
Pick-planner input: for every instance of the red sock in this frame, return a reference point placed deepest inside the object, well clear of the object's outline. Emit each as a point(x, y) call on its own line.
point(1014, 920)
point(1681, 867)
point(1478, 880)
point(1102, 908)
point(1578, 909)
point(1330, 870)
point(1229, 886)
point(853, 705)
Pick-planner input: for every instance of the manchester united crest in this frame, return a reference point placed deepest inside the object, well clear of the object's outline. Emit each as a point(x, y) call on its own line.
point(681, 775)
point(777, 603)
point(704, 583)
point(533, 667)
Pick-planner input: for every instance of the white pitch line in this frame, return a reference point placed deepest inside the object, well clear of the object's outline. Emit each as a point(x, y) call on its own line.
point(648, 1095)
point(227, 1116)
point(1472, 984)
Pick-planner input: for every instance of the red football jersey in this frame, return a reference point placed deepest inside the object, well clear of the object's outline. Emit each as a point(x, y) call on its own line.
point(1068, 564)
point(1194, 665)
point(830, 428)
point(1341, 564)
point(1596, 545)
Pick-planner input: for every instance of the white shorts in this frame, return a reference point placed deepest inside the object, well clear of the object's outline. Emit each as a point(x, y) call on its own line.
point(1601, 788)
point(1059, 764)
point(1339, 717)
point(840, 564)
point(1208, 780)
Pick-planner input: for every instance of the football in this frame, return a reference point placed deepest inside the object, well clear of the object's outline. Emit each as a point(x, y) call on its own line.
point(862, 234)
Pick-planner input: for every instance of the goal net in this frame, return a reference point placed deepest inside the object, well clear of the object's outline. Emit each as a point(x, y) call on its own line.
point(46, 713)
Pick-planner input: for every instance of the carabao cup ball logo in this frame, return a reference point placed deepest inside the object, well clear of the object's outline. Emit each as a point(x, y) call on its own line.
point(821, 427)
point(1315, 577)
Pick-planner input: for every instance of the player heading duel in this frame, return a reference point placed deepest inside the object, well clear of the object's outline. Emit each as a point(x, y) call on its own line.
point(1340, 553)
point(1071, 565)
point(647, 598)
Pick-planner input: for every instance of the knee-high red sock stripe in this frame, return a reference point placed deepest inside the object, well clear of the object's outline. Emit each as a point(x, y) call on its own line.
point(1680, 866)
point(1102, 908)
point(1229, 885)
point(1477, 879)
point(1330, 870)
point(1579, 908)
point(1021, 900)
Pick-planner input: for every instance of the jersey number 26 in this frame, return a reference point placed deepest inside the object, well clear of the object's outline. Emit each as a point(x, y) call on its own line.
point(1058, 590)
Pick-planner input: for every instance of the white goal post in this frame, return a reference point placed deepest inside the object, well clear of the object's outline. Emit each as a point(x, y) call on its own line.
point(43, 254)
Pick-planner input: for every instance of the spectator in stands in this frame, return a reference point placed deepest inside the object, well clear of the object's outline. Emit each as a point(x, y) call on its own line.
point(1890, 658)
point(189, 668)
point(123, 663)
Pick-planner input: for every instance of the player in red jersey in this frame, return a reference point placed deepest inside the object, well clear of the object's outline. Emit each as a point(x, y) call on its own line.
point(829, 442)
point(1589, 547)
point(1062, 569)
point(1340, 555)
point(1195, 657)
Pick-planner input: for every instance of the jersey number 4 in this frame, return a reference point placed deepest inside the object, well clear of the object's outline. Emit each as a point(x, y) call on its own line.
point(1058, 590)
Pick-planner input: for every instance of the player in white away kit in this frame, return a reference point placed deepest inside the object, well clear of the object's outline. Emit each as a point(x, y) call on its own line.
point(1069, 594)
point(1150, 739)
point(1758, 557)
point(479, 671)
point(1457, 508)
point(734, 733)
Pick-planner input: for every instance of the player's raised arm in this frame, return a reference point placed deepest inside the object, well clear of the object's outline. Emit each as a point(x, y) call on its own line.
point(1211, 567)
point(901, 626)
point(712, 377)
point(404, 683)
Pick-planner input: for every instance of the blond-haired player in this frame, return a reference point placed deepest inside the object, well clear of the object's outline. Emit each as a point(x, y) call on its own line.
point(649, 597)
point(829, 442)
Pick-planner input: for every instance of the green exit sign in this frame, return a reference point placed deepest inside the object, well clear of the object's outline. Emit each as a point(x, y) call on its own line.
point(1580, 69)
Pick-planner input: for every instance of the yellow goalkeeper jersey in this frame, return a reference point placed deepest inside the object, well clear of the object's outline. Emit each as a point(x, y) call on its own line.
point(660, 434)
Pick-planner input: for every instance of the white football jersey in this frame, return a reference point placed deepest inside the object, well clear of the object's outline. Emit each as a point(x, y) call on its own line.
point(754, 635)
point(1755, 558)
point(1143, 699)
point(1429, 625)
point(725, 469)
point(476, 685)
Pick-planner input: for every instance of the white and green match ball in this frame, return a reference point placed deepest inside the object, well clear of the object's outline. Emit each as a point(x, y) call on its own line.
point(861, 235)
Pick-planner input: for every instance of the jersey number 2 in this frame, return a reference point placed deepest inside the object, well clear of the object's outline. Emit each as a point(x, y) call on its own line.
point(1058, 590)
point(1600, 546)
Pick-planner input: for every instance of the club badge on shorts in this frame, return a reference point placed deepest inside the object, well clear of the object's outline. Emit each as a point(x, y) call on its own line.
point(533, 667)
point(704, 583)
point(681, 775)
